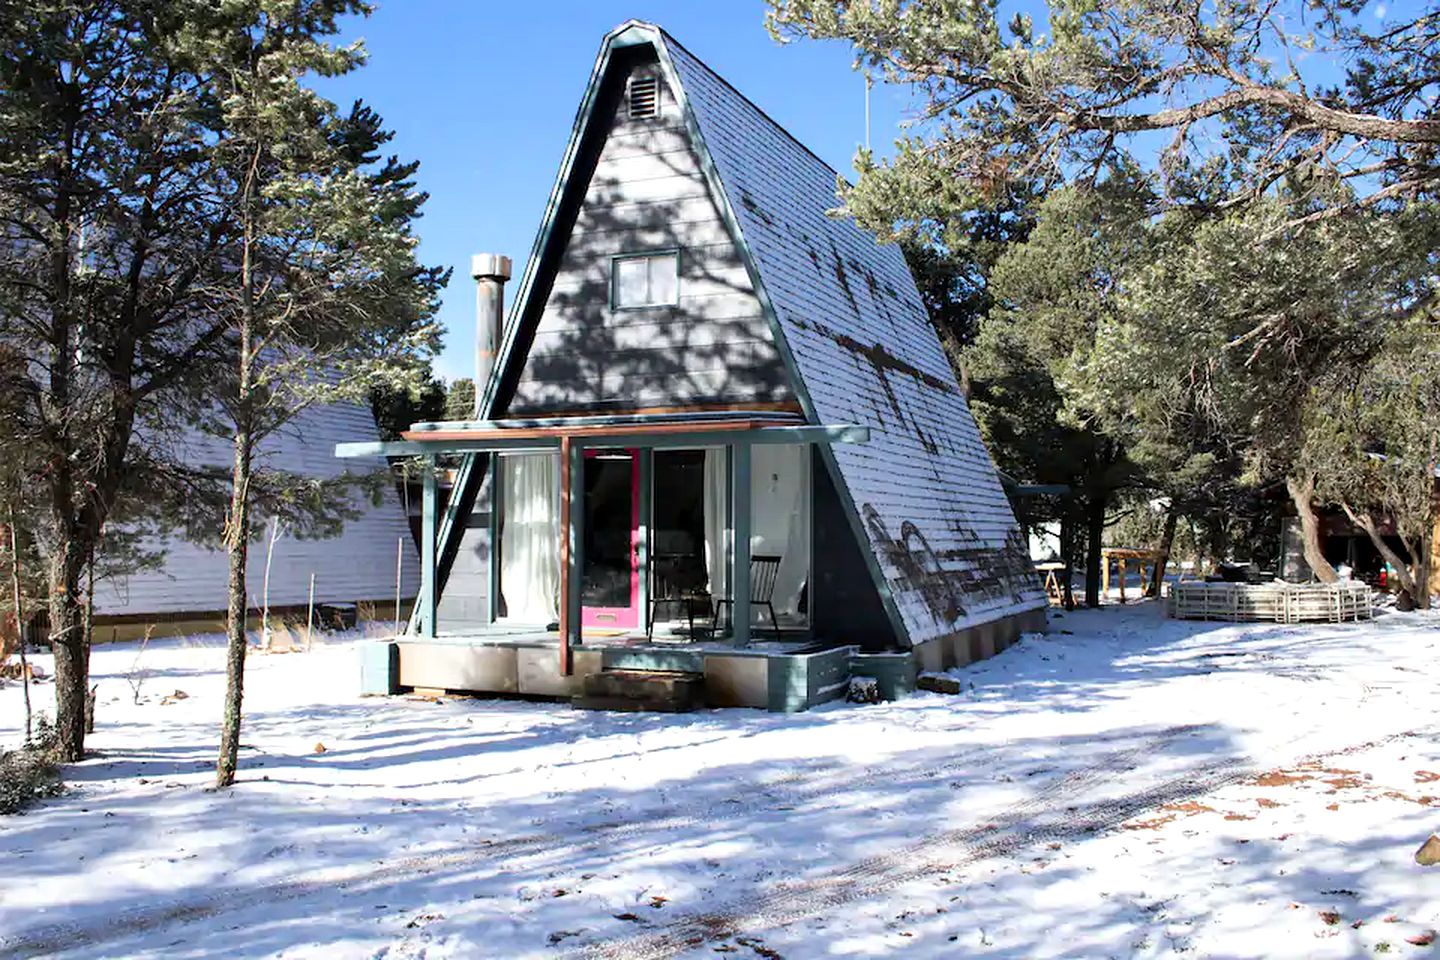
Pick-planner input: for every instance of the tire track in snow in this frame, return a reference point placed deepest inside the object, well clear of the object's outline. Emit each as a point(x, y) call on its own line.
point(791, 790)
point(804, 788)
point(1039, 819)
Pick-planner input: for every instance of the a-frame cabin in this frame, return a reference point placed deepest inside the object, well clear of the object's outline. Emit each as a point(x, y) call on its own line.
point(711, 396)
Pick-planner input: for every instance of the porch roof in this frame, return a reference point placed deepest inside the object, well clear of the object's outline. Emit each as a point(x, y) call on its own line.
point(491, 436)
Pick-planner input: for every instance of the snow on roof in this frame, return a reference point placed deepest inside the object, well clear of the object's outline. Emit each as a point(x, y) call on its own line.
point(860, 339)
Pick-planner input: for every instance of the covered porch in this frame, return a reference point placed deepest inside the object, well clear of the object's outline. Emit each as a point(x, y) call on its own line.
point(672, 543)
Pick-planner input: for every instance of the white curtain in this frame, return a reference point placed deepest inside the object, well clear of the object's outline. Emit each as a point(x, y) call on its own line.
point(530, 537)
point(780, 518)
point(717, 556)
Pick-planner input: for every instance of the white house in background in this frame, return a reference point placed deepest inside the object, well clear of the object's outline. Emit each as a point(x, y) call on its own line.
point(187, 594)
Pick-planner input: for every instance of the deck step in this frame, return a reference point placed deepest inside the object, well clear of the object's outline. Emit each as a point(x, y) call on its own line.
point(669, 691)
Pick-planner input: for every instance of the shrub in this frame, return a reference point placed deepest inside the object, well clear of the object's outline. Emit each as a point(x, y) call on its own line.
point(30, 773)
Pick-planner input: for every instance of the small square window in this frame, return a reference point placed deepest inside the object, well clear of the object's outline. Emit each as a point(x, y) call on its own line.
point(649, 280)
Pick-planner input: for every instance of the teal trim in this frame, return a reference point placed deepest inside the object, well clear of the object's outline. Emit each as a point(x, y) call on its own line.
point(729, 545)
point(645, 255)
point(379, 667)
point(379, 448)
point(895, 673)
point(646, 467)
point(785, 685)
point(684, 661)
point(737, 438)
point(827, 676)
point(614, 420)
point(428, 531)
point(801, 681)
point(740, 565)
point(446, 531)
point(576, 466)
point(497, 504)
point(777, 332)
point(828, 434)
point(631, 33)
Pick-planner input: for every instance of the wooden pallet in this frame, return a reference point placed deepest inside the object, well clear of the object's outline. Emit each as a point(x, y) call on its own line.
point(1272, 602)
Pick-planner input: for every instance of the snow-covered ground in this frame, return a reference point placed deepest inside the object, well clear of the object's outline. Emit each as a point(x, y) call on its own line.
point(1124, 786)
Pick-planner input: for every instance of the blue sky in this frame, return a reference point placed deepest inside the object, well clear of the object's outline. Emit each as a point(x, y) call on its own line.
point(484, 94)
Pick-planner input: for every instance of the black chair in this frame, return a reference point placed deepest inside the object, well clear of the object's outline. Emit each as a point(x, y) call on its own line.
point(678, 578)
point(763, 571)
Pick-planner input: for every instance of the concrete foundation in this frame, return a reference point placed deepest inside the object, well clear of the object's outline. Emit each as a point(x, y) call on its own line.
point(977, 642)
point(781, 679)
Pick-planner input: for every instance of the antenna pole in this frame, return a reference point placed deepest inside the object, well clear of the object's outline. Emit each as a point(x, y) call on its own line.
point(867, 111)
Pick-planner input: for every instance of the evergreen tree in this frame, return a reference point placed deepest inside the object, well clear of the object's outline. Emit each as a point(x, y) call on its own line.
point(1237, 325)
point(325, 301)
point(1372, 439)
point(112, 256)
point(1051, 296)
point(396, 408)
point(1240, 88)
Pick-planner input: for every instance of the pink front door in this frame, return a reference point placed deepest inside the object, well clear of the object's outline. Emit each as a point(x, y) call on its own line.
point(610, 561)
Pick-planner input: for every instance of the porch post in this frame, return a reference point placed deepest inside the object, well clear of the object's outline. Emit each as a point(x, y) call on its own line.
point(740, 524)
point(646, 465)
point(572, 512)
point(428, 515)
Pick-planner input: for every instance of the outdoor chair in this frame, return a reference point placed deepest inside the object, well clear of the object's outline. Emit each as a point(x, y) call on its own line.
point(763, 571)
point(679, 578)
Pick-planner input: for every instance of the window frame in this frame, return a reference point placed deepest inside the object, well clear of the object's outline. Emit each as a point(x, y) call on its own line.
point(672, 252)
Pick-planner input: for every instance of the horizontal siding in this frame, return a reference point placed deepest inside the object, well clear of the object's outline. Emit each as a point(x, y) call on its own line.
point(358, 564)
point(648, 193)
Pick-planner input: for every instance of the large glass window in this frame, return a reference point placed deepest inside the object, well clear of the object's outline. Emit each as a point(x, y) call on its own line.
point(780, 528)
point(648, 280)
point(530, 538)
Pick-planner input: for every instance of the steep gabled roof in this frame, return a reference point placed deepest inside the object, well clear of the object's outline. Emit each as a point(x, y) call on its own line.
point(846, 314)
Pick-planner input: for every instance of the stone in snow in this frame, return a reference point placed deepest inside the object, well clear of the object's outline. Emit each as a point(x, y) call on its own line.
point(1429, 853)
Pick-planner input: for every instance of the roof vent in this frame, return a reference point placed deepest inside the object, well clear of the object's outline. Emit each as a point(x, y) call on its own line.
point(644, 97)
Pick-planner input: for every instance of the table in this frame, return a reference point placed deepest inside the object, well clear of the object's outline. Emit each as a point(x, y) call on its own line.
point(1053, 589)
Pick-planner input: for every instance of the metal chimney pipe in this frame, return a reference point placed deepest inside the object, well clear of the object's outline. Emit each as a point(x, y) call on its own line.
point(490, 271)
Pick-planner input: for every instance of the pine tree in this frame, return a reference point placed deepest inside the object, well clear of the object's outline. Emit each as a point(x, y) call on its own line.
point(1240, 92)
point(111, 256)
point(1052, 294)
point(326, 301)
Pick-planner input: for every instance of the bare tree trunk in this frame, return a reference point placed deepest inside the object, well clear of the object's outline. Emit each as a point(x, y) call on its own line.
point(1424, 565)
point(237, 534)
point(67, 641)
point(237, 540)
point(1366, 522)
point(1095, 542)
point(20, 623)
point(67, 547)
point(1167, 541)
point(89, 638)
point(1302, 492)
point(1067, 555)
point(265, 590)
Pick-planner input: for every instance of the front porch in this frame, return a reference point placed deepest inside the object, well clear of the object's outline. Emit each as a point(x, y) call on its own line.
point(775, 675)
point(681, 544)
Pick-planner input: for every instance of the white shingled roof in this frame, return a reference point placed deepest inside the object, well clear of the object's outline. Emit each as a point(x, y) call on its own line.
point(859, 338)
